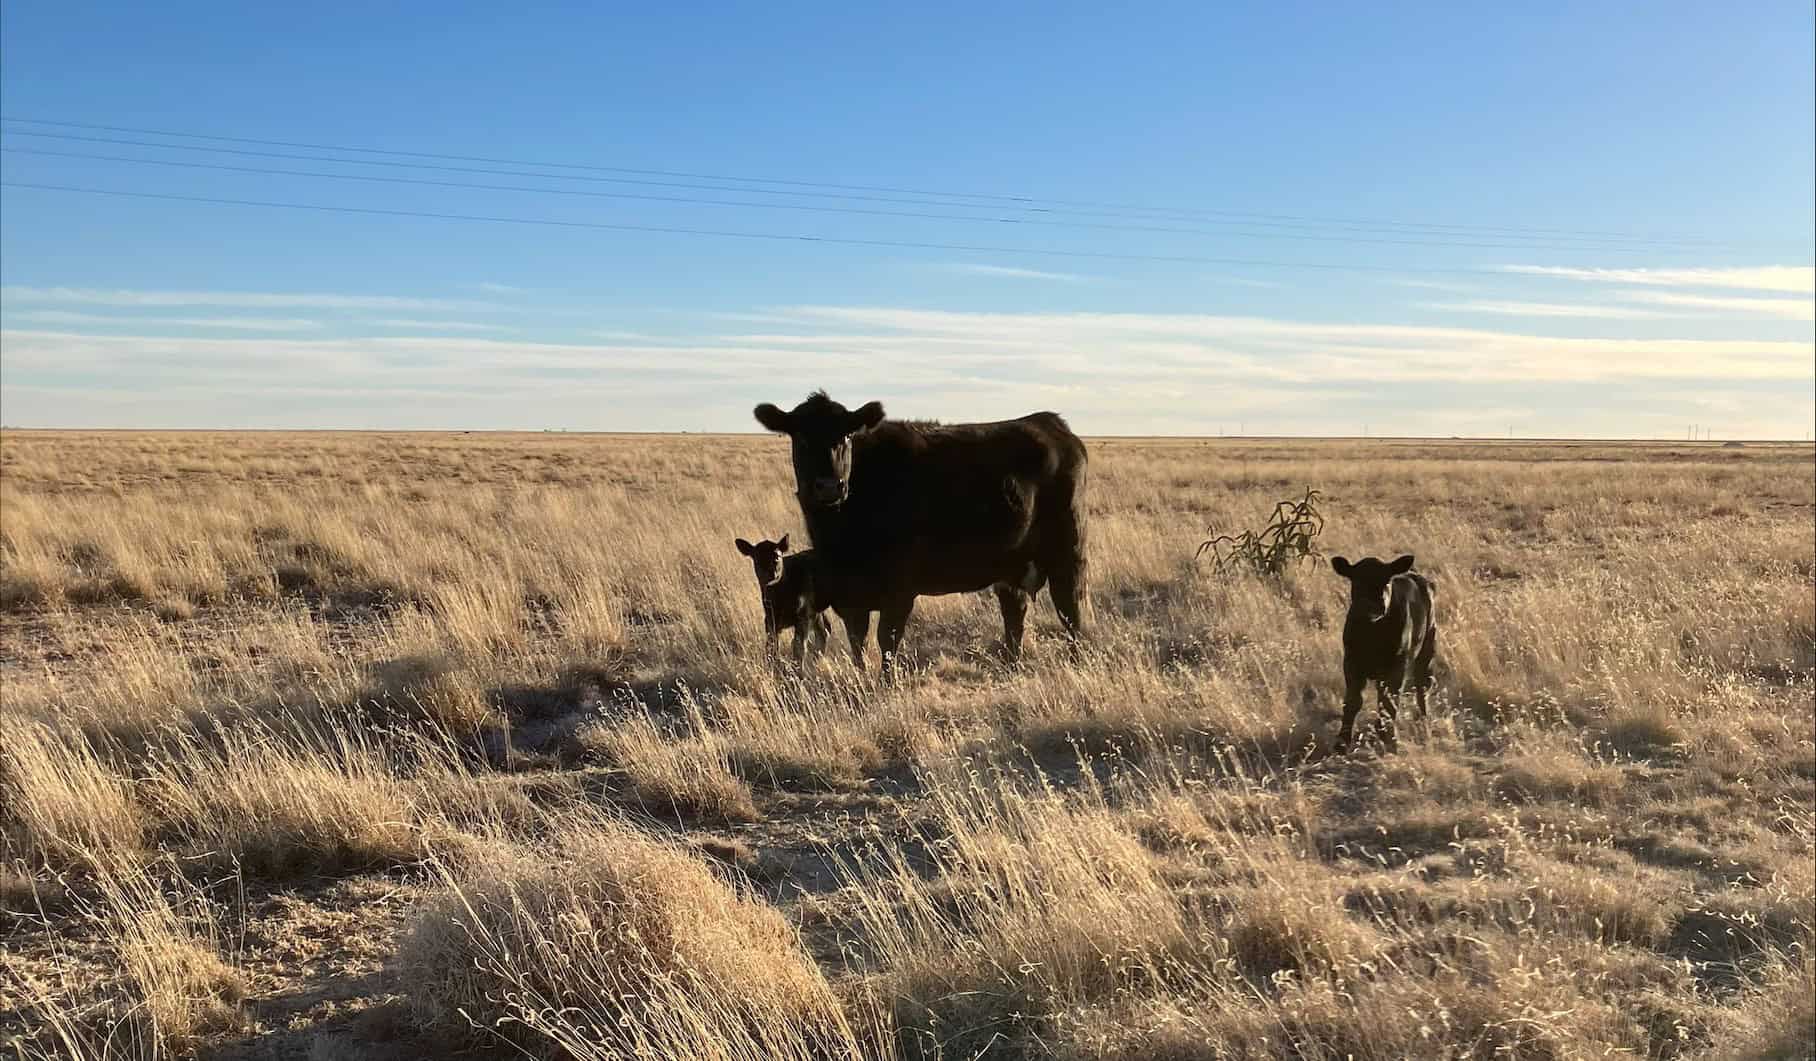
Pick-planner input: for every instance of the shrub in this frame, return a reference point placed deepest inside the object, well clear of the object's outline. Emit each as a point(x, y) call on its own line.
point(1287, 539)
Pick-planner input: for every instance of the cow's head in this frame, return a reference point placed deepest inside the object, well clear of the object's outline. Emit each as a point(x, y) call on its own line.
point(819, 430)
point(1369, 579)
point(766, 558)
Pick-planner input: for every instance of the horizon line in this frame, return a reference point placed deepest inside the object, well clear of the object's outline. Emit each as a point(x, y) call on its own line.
point(1763, 440)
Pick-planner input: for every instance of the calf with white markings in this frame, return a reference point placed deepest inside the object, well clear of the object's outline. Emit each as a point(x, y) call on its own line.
point(1390, 637)
point(786, 583)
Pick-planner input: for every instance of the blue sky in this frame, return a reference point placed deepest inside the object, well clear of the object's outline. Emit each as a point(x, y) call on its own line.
point(1570, 220)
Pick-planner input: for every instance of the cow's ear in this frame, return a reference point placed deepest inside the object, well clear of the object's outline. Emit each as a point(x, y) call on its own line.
point(1340, 566)
point(782, 545)
point(1402, 565)
point(772, 417)
point(744, 547)
point(867, 416)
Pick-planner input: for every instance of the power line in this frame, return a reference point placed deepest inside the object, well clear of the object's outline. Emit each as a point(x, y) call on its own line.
point(1184, 259)
point(539, 176)
point(1040, 222)
point(520, 162)
point(748, 191)
point(1021, 201)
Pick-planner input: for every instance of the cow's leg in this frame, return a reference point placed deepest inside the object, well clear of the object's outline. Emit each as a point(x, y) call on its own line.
point(821, 631)
point(892, 623)
point(1014, 601)
point(1061, 555)
point(857, 630)
point(1066, 585)
point(1352, 706)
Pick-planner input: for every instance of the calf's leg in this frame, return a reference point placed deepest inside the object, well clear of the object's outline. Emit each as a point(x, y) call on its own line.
point(772, 632)
point(1421, 668)
point(1352, 706)
point(1387, 708)
point(803, 629)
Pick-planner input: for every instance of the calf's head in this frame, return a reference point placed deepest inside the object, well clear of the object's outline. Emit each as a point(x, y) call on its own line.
point(819, 431)
point(765, 558)
point(1368, 582)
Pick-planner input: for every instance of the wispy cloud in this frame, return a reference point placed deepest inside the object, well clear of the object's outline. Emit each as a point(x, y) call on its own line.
point(1123, 346)
point(1450, 286)
point(1012, 272)
point(1546, 309)
point(1093, 350)
point(634, 337)
point(499, 289)
point(470, 361)
point(1792, 278)
point(1800, 309)
point(1642, 305)
point(438, 325)
point(248, 299)
point(250, 324)
point(1110, 373)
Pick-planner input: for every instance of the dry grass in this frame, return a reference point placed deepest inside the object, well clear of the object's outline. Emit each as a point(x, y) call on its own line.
point(175, 989)
point(66, 808)
point(250, 682)
point(186, 990)
point(278, 804)
point(687, 778)
point(1034, 905)
point(612, 944)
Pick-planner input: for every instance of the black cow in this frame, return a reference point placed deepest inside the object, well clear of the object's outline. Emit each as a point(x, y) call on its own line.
point(901, 509)
point(1390, 637)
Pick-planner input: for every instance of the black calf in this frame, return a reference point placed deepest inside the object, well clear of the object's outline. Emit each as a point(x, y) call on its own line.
point(1390, 637)
point(786, 583)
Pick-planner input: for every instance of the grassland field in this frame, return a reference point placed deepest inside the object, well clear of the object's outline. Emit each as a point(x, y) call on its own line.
point(381, 746)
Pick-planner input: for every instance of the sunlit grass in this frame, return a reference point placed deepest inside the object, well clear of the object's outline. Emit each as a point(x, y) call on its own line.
point(522, 675)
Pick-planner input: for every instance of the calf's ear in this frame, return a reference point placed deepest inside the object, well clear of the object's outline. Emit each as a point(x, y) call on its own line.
point(782, 545)
point(1402, 565)
point(867, 416)
point(1340, 566)
point(744, 547)
point(772, 417)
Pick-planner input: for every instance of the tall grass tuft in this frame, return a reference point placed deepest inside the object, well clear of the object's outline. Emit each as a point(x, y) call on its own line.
point(614, 944)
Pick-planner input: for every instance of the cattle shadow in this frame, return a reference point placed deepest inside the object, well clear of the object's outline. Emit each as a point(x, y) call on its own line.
point(1726, 948)
point(1303, 738)
point(531, 725)
point(384, 1031)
